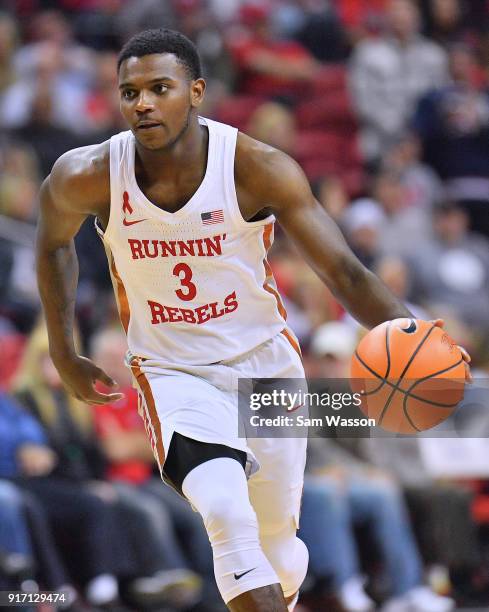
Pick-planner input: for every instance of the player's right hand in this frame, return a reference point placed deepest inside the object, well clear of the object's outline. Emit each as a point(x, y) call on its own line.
point(80, 375)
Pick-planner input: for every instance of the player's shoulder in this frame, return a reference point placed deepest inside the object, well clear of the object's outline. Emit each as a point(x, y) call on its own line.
point(265, 168)
point(83, 166)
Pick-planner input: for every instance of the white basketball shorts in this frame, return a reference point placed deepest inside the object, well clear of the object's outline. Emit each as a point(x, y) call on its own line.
point(201, 402)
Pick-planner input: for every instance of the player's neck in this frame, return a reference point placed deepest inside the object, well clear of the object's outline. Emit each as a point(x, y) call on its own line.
point(190, 149)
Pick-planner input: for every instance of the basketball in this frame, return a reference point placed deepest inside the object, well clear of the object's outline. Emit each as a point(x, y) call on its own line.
point(410, 374)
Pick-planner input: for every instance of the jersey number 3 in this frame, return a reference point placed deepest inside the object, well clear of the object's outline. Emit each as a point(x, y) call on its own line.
point(184, 273)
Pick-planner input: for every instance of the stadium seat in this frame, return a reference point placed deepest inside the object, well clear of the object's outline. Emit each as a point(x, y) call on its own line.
point(237, 110)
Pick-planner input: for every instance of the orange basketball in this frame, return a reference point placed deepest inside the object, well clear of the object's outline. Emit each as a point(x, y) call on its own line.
point(410, 374)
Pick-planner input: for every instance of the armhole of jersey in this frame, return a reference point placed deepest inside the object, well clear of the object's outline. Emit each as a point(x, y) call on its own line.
point(115, 161)
point(232, 197)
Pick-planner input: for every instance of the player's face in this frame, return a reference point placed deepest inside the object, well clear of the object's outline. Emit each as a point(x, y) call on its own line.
point(157, 97)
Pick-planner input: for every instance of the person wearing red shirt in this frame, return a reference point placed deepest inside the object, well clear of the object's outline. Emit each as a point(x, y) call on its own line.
point(266, 66)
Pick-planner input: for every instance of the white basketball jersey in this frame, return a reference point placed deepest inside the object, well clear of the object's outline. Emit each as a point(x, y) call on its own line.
point(193, 286)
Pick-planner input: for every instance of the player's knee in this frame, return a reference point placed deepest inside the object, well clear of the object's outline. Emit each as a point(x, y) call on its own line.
point(289, 558)
point(227, 516)
point(239, 562)
point(293, 568)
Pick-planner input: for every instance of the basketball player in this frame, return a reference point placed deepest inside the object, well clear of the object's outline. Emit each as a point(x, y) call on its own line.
point(185, 207)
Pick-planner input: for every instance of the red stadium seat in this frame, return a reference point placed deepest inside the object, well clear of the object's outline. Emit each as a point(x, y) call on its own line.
point(330, 79)
point(237, 110)
point(313, 143)
point(322, 153)
point(330, 111)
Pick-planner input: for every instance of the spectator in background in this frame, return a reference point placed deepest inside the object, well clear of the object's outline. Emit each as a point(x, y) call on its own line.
point(362, 222)
point(315, 25)
point(450, 272)
point(16, 555)
point(19, 185)
point(57, 482)
point(115, 533)
point(446, 21)
point(453, 124)
point(331, 194)
point(361, 17)
point(19, 182)
point(144, 15)
point(396, 275)
point(102, 103)
point(23, 455)
point(333, 344)
point(45, 114)
point(441, 510)
point(422, 186)
point(8, 43)
point(53, 66)
point(203, 24)
point(51, 27)
point(402, 223)
point(389, 74)
point(95, 24)
point(266, 66)
point(274, 124)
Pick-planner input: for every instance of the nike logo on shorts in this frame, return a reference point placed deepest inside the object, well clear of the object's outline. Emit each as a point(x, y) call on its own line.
point(238, 576)
point(126, 222)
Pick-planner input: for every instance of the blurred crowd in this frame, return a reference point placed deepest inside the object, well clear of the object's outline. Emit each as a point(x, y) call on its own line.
point(385, 104)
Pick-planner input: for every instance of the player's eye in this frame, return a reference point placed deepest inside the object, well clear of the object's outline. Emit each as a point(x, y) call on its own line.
point(161, 88)
point(128, 94)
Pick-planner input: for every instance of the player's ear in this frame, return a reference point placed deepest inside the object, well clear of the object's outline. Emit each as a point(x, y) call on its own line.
point(197, 90)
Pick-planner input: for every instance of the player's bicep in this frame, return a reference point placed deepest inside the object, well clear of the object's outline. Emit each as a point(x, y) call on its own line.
point(59, 221)
point(313, 231)
point(319, 239)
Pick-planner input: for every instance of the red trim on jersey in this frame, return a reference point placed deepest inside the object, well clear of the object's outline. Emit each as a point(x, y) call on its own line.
point(267, 243)
point(293, 341)
point(122, 301)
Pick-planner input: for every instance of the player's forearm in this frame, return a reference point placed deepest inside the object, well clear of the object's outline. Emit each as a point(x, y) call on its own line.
point(366, 297)
point(57, 276)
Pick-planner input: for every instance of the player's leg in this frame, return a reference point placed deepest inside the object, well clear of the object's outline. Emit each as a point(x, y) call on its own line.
point(275, 493)
point(218, 491)
point(276, 489)
point(269, 598)
point(223, 501)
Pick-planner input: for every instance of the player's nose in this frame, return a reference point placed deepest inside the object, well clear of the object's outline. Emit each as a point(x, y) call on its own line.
point(144, 101)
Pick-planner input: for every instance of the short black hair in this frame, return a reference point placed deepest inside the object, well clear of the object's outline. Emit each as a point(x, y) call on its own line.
point(162, 40)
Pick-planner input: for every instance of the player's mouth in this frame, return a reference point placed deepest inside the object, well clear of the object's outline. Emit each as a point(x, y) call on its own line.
point(147, 125)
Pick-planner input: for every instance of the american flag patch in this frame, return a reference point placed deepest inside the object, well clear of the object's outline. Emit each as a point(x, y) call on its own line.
point(213, 216)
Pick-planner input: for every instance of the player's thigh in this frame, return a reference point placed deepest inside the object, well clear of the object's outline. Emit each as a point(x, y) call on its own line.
point(187, 404)
point(276, 489)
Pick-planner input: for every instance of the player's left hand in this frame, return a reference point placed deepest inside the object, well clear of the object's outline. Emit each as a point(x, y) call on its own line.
point(465, 356)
